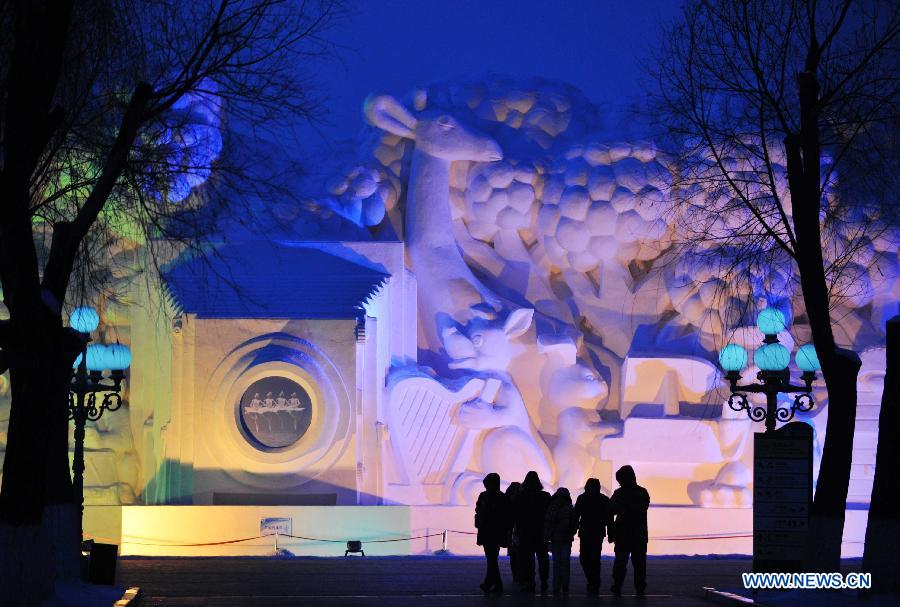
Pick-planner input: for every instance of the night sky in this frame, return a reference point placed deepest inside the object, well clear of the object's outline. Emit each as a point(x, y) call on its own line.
point(394, 46)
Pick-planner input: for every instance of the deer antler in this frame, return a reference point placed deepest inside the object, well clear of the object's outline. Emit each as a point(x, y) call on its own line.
point(387, 113)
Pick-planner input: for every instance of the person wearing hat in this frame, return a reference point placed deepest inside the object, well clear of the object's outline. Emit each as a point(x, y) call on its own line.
point(594, 518)
point(629, 504)
point(493, 521)
point(531, 509)
point(560, 525)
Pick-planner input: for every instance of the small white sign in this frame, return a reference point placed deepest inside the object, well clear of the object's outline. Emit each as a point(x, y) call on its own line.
point(271, 526)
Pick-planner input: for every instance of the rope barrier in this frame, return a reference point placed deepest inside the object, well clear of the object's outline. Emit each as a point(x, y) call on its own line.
point(125, 540)
point(676, 538)
point(103, 540)
point(673, 538)
point(312, 539)
point(418, 537)
point(222, 543)
point(394, 539)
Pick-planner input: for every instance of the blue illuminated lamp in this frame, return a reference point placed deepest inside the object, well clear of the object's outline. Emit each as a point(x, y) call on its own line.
point(733, 358)
point(97, 357)
point(771, 322)
point(84, 319)
point(92, 391)
point(119, 357)
point(807, 359)
point(772, 357)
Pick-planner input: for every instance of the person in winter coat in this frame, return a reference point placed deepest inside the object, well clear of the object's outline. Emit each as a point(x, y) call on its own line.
point(531, 508)
point(512, 550)
point(560, 524)
point(594, 518)
point(629, 504)
point(493, 520)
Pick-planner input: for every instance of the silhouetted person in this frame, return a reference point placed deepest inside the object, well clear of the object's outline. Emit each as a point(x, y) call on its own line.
point(629, 504)
point(560, 524)
point(594, 517)
point(493, 519)
point(531, 508)
point(512, 550)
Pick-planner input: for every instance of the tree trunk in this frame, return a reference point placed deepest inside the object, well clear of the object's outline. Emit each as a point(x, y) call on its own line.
point(839, 367)
point(883, 530)
point(830, 502)
point(39, 542)
point(36, 556)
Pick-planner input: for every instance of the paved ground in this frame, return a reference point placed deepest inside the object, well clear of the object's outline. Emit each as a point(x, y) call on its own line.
point(400, 581)
point(426, 581)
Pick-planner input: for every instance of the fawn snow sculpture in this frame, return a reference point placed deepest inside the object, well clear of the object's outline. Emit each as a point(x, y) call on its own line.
point(503, 437)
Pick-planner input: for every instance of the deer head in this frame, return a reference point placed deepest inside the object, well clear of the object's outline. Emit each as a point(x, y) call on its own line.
point(435, 133)
point(485, 344)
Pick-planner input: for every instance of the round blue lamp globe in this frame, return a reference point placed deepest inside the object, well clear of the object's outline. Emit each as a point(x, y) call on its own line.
point(807, 358)
point(772, 357)
point(733, 357)
point(119, 357)
point(96, 357)
point(84, 319)
point(771, 321)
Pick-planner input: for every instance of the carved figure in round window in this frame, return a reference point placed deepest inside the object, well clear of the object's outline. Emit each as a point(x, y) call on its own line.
point(275, 412)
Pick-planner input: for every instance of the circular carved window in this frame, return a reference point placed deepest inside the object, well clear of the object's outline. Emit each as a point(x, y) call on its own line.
point(275, 412)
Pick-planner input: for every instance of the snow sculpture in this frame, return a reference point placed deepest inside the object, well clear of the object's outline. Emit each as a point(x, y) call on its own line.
point(676, 449)
point(195, 139)
point(452, 301)
point(578, 227)
point(577, 450)
point(666, 381)
point(575, 225)
point(729, 489)
point(566, 383)
point(446, 285)
point(422, 435)
point(112, 468)
point(504, 438)
point(364, 195)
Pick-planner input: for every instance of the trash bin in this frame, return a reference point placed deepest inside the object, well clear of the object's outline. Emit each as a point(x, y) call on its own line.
point(98, 562)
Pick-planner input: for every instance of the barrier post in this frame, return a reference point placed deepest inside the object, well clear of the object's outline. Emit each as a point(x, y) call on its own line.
point(444, 541)
point(276, 542)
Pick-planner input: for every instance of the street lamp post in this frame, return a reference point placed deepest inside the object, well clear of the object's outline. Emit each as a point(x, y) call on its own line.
point(90, 379)
point(772, 358)
point(782, 459)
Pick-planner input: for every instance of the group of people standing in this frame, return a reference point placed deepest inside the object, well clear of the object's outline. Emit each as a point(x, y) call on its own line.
point(526, 520)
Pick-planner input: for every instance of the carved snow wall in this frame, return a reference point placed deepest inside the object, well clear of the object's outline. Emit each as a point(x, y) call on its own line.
point(556, 332)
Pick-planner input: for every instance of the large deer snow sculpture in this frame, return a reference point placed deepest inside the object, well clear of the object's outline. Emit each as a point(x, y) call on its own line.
point(447, 289)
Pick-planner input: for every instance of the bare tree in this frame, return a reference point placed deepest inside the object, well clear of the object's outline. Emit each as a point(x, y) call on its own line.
point(110, 111)
point(788, 109)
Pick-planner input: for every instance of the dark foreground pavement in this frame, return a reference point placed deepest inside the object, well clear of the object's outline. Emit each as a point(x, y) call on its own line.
point(434, 580)
point(400, 581)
